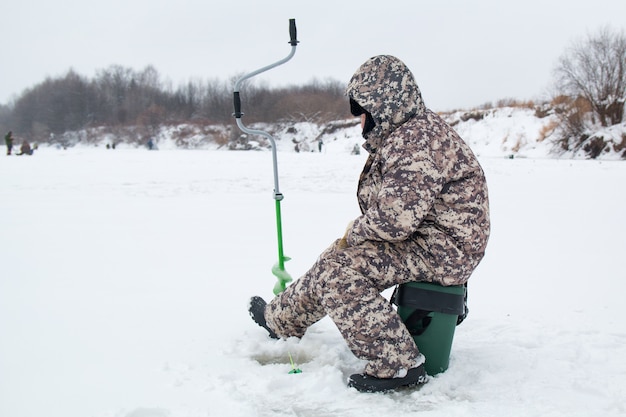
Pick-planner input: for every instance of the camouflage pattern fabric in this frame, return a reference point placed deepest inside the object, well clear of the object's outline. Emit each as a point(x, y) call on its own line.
point(425, 217)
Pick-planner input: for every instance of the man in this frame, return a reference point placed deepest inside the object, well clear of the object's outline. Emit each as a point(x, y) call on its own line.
point(8, 140)
point(425, 217)
point(25, 149)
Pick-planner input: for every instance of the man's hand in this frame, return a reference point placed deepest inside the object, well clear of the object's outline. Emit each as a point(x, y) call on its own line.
point(343, 242)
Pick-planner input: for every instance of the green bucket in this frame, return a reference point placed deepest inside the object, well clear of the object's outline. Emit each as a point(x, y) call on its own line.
point(430, 312)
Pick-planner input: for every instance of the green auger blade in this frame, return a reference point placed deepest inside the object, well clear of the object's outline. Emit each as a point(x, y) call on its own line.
point(282, 275)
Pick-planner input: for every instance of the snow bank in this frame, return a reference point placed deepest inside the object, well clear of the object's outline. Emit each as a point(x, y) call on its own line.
point(499, 132)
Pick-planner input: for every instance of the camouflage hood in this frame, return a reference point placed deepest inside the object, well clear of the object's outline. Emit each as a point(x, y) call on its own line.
point(386, 88)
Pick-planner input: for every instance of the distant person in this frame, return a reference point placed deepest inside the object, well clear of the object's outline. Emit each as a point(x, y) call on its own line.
point(320, 145)
point(8, 139)
point(25, 149)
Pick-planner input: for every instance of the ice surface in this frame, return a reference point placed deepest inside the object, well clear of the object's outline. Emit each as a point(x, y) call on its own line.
point(125, 276)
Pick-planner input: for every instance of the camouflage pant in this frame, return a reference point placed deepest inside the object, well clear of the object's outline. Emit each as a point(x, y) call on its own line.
point(346, 284)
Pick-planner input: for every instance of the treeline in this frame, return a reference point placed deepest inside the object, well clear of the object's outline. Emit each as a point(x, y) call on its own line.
point(589, 94)
point(119, 96)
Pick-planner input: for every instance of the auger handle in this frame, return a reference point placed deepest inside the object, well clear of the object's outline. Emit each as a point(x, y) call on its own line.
point(293, 32)
point(237, 102)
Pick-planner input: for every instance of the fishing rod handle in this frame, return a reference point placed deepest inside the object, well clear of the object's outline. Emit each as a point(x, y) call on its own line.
point(293, 33)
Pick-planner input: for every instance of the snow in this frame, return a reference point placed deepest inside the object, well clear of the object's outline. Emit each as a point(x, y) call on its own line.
point(507, 131)
point(125, 276)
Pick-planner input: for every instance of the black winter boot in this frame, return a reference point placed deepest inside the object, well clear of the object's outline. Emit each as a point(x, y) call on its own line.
point(367, 383)
point(256, 308)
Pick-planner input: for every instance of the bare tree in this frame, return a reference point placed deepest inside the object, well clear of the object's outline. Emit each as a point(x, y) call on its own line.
point(121, 97)
point(217, 102)
point(595, 69)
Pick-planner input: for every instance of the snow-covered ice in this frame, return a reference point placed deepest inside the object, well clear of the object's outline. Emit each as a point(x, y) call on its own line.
point(125, 276)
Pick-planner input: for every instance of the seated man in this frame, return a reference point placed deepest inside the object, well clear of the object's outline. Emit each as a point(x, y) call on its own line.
point(425, 217)
point(25, 149)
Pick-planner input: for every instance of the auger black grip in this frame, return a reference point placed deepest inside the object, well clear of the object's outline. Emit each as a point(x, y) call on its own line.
point(293, 33)
point(237, 101)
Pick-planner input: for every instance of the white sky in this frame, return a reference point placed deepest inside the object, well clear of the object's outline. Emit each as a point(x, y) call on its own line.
point(463, 53)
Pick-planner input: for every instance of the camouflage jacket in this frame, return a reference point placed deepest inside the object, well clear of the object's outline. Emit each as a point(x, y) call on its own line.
point(421, 184)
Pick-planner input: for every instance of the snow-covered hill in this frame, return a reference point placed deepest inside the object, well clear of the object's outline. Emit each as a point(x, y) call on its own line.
point(526, 132)
point(497, 132)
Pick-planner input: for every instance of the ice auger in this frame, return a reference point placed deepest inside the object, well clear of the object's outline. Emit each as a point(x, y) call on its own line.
point(279, 268)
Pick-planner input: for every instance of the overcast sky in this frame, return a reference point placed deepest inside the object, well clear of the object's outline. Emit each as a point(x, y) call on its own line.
point(463, 53)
